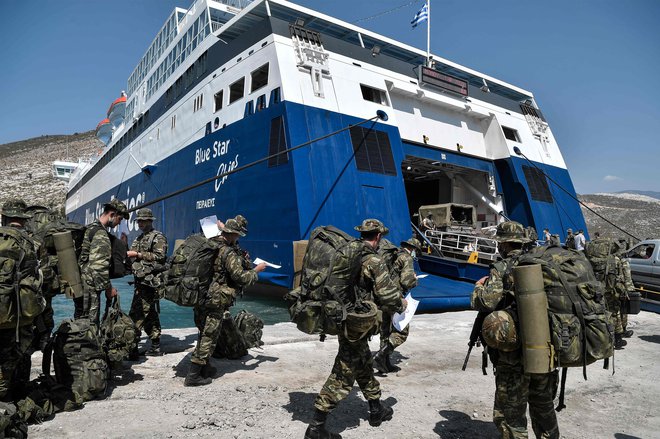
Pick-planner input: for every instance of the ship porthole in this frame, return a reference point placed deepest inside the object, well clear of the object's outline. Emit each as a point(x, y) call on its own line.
point(216, 123)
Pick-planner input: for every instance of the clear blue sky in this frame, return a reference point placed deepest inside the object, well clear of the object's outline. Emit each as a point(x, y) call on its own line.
point(593, 65)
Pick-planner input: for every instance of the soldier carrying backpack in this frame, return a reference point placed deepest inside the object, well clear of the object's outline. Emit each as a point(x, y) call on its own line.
point(21, 299)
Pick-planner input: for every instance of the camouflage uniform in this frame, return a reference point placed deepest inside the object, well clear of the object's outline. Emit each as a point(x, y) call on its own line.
point(628, 287)
point(15, 343)
point(151, 246)
point(353, 361)
point(514, 388)
point(229, 278)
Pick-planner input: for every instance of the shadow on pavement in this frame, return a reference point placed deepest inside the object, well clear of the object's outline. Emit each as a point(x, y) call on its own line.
point(625, 436)
point(460, 425)
point(650, 339)
point(248, 362)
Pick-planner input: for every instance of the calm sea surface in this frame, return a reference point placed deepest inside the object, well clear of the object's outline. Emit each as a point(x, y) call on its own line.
point(269, 309)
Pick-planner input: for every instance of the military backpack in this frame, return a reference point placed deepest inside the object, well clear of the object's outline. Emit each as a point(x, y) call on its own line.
point(78, 358)
point(580, 326)
point(21, 299)
point(606, 266)
point(118, 332)
point(118, 259)
point(11, 423)
point(239, 334)
point(191, 270)
point(328, 287)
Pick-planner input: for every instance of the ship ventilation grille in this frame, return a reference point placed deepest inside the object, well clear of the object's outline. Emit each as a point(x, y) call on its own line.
point(537, 124)
point(310, 55)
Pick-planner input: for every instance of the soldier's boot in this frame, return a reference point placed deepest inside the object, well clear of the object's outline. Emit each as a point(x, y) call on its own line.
point(628, 333)
point(154, 350)
point(381, 357)
point(619, 342)
point(208, 371)
point(391, 367)
point(316, 428)
point(194, 378)
point(379, 413)
point(134, 355)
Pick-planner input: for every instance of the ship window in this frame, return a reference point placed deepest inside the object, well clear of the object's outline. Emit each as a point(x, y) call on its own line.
point(373, 152)
point(259, 78)
point(538, 184)
point(261, 102)
point(236, 90)
point(275, 96)
point(277, 143)
point(373, 95)
point(218, 100)
point(174, 121)
point(511, 134)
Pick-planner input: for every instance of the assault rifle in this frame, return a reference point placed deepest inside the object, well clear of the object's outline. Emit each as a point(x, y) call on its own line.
point(475, 339)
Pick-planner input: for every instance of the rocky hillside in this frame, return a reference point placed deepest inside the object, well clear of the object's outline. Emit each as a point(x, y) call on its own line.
point(638, 214)
point(26, 166)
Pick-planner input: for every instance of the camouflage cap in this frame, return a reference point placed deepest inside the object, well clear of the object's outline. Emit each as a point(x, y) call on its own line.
point(145, 214)
point(118, 207)
point(15, 208)
point(372, 225)
point(242, 223)
point(499, 331)
point(413, 242)
point(232, 226)
point(569, 230)
point(511, 231)
point(36, 208)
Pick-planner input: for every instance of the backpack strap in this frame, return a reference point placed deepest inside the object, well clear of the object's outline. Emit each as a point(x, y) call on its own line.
point(562, 390)
point(47, 356)
point(17, 289)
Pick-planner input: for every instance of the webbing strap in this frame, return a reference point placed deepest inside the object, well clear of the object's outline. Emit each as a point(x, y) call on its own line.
point(562, 390)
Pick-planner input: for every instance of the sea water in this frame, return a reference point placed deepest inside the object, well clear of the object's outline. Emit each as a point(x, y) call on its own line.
point(270, 309)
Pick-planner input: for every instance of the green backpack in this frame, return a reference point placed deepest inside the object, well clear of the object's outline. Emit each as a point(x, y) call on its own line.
point(118, 332)
point(21, 299)
point(330, 273)
point(78, 358)
point(606, 265)
point(580, 326)
point(239, 334)
point(11, 423)
point(191, 270)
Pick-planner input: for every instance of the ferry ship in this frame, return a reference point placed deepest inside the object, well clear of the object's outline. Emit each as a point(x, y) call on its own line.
point(227, 83)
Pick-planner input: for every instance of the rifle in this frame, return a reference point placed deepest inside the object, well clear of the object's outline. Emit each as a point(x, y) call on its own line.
point(475, 339)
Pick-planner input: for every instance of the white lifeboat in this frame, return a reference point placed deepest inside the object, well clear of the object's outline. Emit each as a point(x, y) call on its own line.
point(116, 111)
point(104, 131)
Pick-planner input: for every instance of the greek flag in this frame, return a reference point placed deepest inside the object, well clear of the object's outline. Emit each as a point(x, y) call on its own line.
point(420, 16)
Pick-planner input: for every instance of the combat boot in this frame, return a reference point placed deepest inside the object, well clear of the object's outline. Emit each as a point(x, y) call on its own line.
point(134, 355)
point(379, 413)
point(381, 357)
point(316, 428)
point(619, 342)
point(154, 350)
point(208, 371)
point(391, 367)
point(628, 333)
point(193, 378)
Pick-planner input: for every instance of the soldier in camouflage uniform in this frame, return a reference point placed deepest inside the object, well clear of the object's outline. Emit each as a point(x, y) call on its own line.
point(242, 226)
point(515, 388)
point(354, 361)
point(628, 286)
point(94, 261)
point(403, 273)
point(229, 278)
point(15, 342)
point(149, 253)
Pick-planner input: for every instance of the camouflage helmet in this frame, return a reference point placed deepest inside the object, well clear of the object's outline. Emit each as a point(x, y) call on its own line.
point(15, 208)
point(35, 208)
point(232, 226)
point(242, 223)
point(511, 231)
point(118, 207)
point(145, 214)
point(372, 225)
point(499, 331)
point(413, 242)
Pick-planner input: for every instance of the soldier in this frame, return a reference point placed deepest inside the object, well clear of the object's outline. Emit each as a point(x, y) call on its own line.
point(242, 224)
point(629, 287)
point(353, 361)
point(149, 251)
point(94, 261)
point(403, 273)
point(570, 239)
point(515, 388)
point(228, 279)
point(16, 332)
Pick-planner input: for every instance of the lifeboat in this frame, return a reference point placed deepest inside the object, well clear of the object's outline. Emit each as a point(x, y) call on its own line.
point(104, 131)
point(116, 111)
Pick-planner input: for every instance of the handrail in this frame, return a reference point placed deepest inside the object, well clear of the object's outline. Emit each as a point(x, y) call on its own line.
point(462, 244)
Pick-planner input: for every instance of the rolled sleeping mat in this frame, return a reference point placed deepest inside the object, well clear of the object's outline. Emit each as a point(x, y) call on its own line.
point(538, 356)
point(67, 263)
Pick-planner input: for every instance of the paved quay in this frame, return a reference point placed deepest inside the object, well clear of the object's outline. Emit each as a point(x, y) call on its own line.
point(270, 393)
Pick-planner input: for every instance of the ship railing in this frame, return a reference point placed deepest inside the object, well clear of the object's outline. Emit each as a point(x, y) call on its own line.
point(461, 245)
point(215, 25)
point(234, 3)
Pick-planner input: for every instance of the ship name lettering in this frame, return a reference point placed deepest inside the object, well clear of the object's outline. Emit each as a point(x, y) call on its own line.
point(220, 148)
point(202, 155)
point(205, 204)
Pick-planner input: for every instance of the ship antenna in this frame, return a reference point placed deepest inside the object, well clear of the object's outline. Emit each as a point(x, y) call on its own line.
point(520, 153)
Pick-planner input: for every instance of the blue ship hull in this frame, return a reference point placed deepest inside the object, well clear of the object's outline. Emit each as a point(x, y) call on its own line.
point(318, 185)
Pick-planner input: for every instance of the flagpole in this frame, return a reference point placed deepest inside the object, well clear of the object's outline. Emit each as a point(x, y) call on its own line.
point(428, 34)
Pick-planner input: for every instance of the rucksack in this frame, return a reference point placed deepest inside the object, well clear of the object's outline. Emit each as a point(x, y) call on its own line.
point(21, 299)
point(601, 255)
point(78, 358)
point(48, 254)
point(580, 326)
point(239, 334)
point(570, 242)
point(118, 332)
point(388, 252)
point(11, 424)
point(118, 259)
point(191, 270)
point(330, 273)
